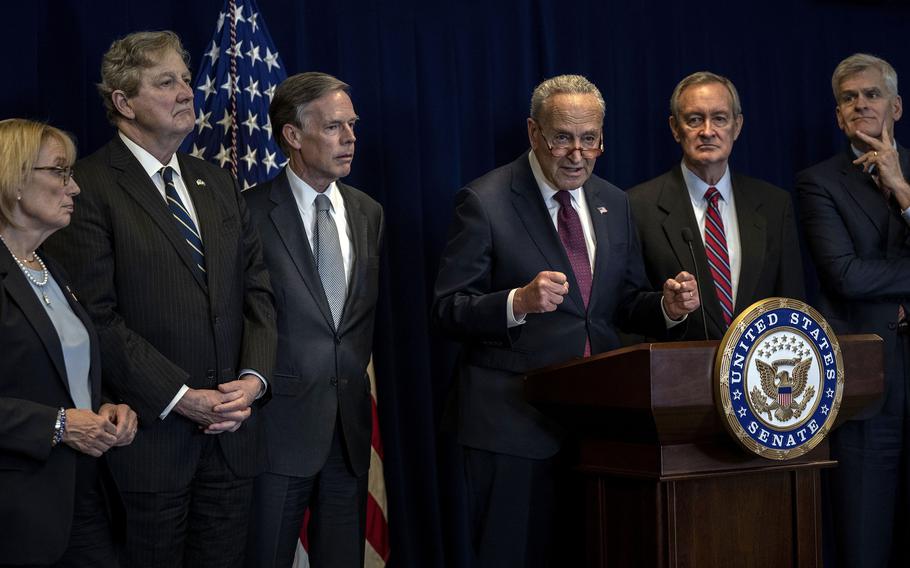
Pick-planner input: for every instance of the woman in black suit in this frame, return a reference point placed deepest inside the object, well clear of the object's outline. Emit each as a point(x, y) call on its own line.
point(53, 427)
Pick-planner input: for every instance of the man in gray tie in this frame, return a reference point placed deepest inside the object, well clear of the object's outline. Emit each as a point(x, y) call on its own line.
point(321, 243)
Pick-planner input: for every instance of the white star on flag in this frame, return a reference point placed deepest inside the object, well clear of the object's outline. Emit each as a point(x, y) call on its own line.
point(228, 86)
point(208, 88)
point(231, 105)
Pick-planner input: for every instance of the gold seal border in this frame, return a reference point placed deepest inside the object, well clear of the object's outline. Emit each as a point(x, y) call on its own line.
point(722, 373)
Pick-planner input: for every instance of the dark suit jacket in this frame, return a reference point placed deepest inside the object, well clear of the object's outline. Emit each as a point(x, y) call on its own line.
point(771, 264)
point(861, 250)
point(501, 238)
point(160, 324)
point(318, 372)
point(37, 481)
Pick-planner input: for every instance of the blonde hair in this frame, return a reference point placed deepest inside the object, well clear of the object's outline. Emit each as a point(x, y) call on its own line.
point(20, 142)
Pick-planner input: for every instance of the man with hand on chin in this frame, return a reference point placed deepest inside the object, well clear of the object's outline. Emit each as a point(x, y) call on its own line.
point(170, 269)
point(855, 209)
point(542, 265)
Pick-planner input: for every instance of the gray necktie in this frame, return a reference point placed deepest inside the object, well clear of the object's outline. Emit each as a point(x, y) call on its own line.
point(329, 263)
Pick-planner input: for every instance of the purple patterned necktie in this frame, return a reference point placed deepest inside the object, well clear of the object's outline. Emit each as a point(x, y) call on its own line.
point(573, 240)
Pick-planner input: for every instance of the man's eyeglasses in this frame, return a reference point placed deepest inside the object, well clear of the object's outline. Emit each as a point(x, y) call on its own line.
point(63, 173)
point(563, 144)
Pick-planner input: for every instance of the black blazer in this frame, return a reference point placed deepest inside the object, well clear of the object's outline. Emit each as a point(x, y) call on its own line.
point(771, 262)
point(160, 324)
point(319, 373)
point(861, 250)
point(501, 238)
point(37, 481)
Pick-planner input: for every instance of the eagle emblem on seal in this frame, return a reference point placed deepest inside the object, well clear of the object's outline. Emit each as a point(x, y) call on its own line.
point(780, 389)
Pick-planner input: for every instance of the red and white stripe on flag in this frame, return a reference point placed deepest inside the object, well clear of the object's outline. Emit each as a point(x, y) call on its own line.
point(377, 548)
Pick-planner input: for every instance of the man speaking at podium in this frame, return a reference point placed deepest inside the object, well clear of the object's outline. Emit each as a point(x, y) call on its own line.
point(542, 264)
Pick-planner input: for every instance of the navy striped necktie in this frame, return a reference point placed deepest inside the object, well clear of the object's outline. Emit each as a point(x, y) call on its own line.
point(184, 220)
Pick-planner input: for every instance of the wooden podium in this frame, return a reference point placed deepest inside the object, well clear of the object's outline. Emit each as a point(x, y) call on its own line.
point(663, 483)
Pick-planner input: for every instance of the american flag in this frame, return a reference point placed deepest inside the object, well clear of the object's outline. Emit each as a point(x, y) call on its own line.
point(784, 396)
point(234, 86)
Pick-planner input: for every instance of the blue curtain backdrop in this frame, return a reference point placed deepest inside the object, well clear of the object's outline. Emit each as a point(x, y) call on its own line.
point(443, 90)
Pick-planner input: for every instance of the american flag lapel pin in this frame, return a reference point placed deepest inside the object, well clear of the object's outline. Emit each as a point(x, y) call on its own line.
point(602, 210)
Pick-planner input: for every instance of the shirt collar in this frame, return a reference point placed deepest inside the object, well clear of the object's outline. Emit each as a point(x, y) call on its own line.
point(857, 153)
point(546, 190)
point(149, 163)
point(697, 186)
point(308, 194)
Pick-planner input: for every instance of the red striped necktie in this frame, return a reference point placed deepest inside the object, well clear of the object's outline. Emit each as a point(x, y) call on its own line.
point(716, 250)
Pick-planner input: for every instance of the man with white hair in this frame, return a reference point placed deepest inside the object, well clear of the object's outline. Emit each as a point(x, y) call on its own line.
point(855, 209)
point(541, 266)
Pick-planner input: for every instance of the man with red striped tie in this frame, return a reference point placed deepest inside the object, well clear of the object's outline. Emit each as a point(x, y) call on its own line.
point(747, 248)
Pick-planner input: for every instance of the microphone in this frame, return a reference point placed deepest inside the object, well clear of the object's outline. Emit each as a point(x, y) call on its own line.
point(687, 236)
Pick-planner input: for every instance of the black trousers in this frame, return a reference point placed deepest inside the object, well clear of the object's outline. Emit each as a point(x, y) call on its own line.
point(868, 490)
point(512, 505)
point(90, 542)
point(202, 525)
point(337, 528)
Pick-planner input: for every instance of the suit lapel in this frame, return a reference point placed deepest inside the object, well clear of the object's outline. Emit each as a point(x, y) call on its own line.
point(286, 218)
point(752, 240)
point(18, 287)
point(862, 189)
point(599, 212)
point(134, 182)
point(357, 221)
point(675, 202)
point(535, 217)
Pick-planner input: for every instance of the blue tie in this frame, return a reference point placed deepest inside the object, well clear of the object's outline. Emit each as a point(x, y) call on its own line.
point(184, 221)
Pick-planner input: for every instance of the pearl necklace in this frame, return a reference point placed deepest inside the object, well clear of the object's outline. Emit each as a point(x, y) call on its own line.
point(28, 274)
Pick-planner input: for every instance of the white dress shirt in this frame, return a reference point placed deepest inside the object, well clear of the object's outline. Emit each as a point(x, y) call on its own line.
point(727, 208)
point(152, 168)
point(305, 196)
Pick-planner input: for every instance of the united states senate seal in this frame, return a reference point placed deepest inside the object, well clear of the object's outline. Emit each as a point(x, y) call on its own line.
point(779, 378)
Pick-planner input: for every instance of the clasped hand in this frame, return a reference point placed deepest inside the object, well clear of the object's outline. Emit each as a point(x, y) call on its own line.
point(94, 434)
point(222, 410)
